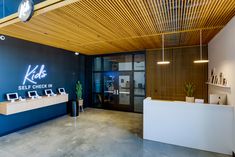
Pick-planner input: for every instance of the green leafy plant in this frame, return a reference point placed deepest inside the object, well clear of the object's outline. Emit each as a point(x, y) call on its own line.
point(79, 90)
point(189, 89)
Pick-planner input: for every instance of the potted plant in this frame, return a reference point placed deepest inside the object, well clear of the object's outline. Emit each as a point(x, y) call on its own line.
point(79, 94)
point(189, 90)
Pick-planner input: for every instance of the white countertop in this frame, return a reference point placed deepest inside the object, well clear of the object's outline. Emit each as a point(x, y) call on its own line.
point(183, 102)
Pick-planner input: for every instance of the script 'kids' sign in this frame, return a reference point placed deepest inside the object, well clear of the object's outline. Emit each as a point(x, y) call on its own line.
point(32, 76)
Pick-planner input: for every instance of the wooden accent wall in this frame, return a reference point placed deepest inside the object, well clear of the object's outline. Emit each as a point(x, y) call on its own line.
point(167, 82)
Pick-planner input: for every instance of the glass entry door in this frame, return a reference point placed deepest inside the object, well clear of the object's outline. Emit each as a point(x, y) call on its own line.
point(118, 82)
point(118, 91)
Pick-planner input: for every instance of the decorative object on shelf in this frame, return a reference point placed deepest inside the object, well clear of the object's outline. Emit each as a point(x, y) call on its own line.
point(212, 77)
point(221, 78)
point(215, 80)
point(26, 10)
point(224, 82)
point(79, 95)
point(201, 60)
point(189, 90)
point(220, 81)
point(163, 53)
point(212, 72)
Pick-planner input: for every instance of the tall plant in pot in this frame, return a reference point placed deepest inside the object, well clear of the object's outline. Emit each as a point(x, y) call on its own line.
point(79, 93)
point(189, 90)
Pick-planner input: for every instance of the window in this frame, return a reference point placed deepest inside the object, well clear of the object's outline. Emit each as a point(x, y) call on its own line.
point(118, 63)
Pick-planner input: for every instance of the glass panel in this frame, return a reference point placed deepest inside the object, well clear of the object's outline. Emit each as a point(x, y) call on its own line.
point(97, 82)
point(139, 83)
point(109, 88)
point(124, 89)
point(97, 64)
point(139, 62)
point(119, 62)
point(109, 83)
point(110, 64)
point(125, 62)
point(97, 100)
point(138, 104)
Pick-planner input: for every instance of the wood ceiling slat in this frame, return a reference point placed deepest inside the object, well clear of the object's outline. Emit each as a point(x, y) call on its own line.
point(106, 26)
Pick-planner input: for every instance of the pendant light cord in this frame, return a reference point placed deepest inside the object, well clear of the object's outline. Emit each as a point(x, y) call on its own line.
point(163, 47)
point(201, 44)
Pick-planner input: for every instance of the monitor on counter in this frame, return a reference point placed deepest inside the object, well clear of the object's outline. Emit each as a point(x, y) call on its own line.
point(32, 94)
point(12, 96)
point(219, 99)
point(48, 92)
point(61, 90)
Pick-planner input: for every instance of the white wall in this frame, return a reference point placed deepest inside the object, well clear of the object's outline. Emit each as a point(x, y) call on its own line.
point(221, 51)
point(201, 126)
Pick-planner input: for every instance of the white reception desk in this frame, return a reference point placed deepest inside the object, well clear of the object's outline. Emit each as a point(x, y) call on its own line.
point(201, 126)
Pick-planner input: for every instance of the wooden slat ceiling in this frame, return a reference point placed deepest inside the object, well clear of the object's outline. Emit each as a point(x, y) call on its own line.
point(108, 26)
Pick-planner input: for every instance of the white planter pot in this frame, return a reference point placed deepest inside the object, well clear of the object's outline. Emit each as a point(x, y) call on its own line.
point(189, 99)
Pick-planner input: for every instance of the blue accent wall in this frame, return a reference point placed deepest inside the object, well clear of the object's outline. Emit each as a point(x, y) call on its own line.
point(63, 70)
point(8, 7)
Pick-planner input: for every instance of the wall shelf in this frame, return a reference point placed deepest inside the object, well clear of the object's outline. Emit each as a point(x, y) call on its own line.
point(8, 108)
point(218, 85)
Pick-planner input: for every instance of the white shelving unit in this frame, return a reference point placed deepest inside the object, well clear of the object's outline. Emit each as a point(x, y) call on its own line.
point(218, 85)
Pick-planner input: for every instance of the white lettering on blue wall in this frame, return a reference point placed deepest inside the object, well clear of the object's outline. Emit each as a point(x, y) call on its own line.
point(39, 86)
point(34, 74)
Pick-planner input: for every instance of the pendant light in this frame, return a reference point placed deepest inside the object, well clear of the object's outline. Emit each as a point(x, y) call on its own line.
point(163, 61)
point(201, 60)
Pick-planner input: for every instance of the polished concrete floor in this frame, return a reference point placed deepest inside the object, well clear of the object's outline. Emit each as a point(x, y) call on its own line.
point(95, 133)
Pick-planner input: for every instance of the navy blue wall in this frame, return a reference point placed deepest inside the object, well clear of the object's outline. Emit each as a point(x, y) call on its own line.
point(8, 7)
point(63, 70)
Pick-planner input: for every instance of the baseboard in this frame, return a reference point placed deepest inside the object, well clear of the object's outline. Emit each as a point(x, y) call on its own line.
point(233, 154)
point(31, 125)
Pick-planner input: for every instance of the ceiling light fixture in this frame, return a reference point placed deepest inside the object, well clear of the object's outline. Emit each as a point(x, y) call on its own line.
point(25, 10)
point(2, 37)
point(76, 53)
point(201, 60)
point(163, 57)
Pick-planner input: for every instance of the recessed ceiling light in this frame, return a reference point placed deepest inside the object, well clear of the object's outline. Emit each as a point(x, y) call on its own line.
point(76, 53)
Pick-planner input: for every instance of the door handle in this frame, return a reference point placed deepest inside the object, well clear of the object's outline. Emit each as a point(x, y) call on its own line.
point(115, 92)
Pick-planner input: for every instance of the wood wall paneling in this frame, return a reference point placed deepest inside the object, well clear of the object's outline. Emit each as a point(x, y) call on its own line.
point(167, 81)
